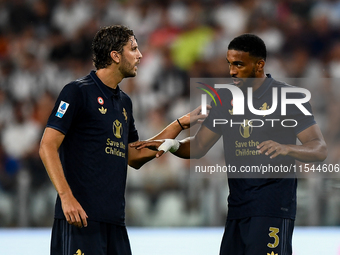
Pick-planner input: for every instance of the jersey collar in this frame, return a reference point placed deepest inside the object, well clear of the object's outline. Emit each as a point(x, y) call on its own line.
point(264, 87)
point(103, 88)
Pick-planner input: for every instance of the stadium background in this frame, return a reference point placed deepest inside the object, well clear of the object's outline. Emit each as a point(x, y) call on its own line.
point(46, 44)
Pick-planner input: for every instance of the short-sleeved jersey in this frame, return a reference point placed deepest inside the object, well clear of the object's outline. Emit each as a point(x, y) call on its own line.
point(273, 197)
point(98, 125)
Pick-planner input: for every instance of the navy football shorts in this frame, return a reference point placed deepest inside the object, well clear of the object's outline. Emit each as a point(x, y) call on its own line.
point(258, 236)
point(97, 238)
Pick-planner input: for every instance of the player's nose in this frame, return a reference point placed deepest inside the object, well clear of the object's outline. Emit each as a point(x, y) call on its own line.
point(232, 70)
point(139, 54)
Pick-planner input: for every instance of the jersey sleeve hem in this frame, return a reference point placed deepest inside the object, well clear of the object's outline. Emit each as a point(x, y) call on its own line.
point(298, 131)
point(133, 138)
point(56, 128)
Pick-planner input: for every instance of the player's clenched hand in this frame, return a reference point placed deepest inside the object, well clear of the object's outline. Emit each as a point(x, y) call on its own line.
point(73, 211)
point(152, 145)
point(273, 148)
point(192, 118)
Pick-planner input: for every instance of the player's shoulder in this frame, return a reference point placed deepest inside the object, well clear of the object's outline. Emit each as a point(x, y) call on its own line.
point(283, 84)
point(79, 84)
point(296, 92)
point(280, 84)
point(84, 81)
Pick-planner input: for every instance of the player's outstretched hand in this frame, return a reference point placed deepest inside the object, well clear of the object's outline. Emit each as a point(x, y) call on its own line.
point(152, 145)
point(73, 211)
point(192, 118)
point(272, 149)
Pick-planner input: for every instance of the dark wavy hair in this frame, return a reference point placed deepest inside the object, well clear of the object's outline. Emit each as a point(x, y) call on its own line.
point(249, 43)
point(107, 39)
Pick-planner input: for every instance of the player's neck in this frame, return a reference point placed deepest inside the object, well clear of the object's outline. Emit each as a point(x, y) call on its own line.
point(109, 77)
point(259, 81)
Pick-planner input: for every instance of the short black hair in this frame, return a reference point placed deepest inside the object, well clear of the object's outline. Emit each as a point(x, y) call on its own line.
point(249, 43)
point(108, 39)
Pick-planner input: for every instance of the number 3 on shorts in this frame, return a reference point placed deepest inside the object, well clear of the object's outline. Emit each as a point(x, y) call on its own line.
point(273, 234)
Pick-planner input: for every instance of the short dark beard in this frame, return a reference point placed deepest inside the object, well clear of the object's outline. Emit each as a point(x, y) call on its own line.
point(123, 68)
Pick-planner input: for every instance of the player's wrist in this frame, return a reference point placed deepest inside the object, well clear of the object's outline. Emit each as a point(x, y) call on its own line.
point(179, 123)
point(184, 122)
point(65, 194)
point(289, 150)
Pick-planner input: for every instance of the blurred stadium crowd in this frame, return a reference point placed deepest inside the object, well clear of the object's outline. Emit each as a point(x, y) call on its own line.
point(44, 44)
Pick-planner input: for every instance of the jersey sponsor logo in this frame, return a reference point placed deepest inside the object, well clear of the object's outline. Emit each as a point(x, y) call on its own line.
point(78, 252)
point(115, 148)
point(264, 107)
point(62, 109)
point(100, 100)
point(125, 114)
point(246, 129)
point(117, 129)
point(102, 110)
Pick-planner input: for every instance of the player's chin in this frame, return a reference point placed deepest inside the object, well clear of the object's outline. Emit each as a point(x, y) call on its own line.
point(132, 74)
point(240, 84)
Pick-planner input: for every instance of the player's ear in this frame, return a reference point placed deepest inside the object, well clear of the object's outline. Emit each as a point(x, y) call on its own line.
point(115, 56)
point(260, 65)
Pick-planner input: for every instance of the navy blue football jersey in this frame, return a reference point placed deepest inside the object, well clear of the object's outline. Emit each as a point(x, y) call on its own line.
point(272, 197)
point(98, 126)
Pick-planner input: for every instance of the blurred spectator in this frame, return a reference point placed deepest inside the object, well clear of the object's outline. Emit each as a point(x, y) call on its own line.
point(71, 15)
point(329, 9)
point(146, 15)
point(6, 112)
point(321, 37)
point(20, 15)
point(300, 8)
point(233, 16)
point(189, 46)
point(8, 170)
point(300, 65)
point(171, 82)
point(4, 41)
point(265, 28)
point(108, 12)
point(26, 81)
point(334, 61)
point(20, 136)
point(165, 33)
point(178, 13)
point(41, 18)
point(296, 34)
